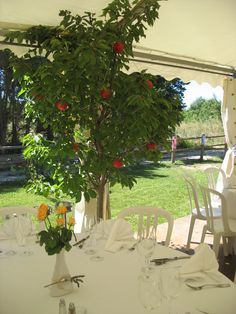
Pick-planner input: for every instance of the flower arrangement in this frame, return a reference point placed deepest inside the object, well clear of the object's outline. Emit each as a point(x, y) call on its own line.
point(58, 228)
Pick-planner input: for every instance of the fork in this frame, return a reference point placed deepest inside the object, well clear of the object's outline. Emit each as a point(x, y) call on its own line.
point(199, 287)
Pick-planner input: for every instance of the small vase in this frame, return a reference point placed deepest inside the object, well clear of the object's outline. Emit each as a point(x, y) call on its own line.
point(61, 273)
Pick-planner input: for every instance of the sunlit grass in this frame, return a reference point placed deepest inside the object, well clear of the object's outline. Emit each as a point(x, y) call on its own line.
point(15, 194)
point(161, 186)
point(157, 185)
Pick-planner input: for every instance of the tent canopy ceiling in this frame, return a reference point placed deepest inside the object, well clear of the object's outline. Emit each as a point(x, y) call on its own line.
point(196, 37)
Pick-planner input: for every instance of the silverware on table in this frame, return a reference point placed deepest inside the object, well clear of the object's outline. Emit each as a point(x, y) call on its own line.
point(200, 311)
point(196, 286)
point(81, 242)
point(160, 261)
point(132, 248)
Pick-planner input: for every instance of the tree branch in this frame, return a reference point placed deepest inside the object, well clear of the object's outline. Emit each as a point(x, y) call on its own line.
point(137, 10)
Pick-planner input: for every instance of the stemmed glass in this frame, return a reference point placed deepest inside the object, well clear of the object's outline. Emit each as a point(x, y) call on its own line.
point(91, 247)
point(145, 248)
point(170, 284)
point(148, 292)
point(25, 228)
point(8, 229)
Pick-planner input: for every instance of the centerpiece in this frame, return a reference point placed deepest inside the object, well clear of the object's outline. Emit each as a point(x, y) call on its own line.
point(57, 237)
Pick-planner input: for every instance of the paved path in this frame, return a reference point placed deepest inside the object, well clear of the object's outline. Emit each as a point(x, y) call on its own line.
point(180, 232)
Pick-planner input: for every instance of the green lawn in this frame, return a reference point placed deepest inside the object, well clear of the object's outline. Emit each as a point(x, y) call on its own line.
point(160, 186)
point(157, 185)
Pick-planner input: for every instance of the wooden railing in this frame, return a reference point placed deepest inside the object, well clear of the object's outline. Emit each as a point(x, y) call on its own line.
point(202, 147)
point(12, 155)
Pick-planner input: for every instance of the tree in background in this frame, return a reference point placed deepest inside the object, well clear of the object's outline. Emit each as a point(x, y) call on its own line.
point(103, 119)
point(11, 106)
point(203, 110)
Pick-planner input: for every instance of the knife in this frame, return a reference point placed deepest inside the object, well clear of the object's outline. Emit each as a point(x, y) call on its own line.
point(159, 261)
point(81, 242)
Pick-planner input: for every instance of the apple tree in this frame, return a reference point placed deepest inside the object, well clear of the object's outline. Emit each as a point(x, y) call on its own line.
point(76, 79)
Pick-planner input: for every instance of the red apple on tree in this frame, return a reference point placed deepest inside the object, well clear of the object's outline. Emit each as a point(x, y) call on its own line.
point(150, 84)
point(118, 47)
point(105, 93)
point(117, 163)
point(61, 105)
point(151, 146)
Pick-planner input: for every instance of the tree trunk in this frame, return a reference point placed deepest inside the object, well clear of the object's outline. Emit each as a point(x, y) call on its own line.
point(14, 139)
point(3, 122)
point(103, 208)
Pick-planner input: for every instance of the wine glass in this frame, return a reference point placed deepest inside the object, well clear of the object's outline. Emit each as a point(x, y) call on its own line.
point(145, 248)
point(8, 229)
point(23, 230)
point(170, 284)
point(148, 292)
point(92, 244)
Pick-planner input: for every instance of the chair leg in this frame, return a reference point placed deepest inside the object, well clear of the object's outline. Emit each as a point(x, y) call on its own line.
point(204, 230)
point(231, 245)
point(226, 246)
point(190, 232)
point(216, 244)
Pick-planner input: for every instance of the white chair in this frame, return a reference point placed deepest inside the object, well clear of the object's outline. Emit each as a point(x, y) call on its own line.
point(197, 212)
point(220, 226)
point(214, 175)
point(147, 219)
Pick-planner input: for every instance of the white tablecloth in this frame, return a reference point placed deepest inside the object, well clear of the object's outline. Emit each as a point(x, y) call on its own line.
point(110, 286)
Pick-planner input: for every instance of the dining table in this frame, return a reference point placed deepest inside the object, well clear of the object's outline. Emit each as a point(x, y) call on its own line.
point(110, 285)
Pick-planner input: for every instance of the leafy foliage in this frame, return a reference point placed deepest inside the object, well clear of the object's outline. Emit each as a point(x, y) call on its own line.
point(11, 106)
point(203, 110)
point(75, 85)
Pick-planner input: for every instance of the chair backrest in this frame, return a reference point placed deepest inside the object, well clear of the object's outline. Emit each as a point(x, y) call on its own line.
point(208, 195)
point(193, 195)
point(147, 219)
point(214, 174)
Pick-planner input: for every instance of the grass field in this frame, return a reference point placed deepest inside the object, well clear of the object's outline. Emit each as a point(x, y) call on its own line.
point(157, 185)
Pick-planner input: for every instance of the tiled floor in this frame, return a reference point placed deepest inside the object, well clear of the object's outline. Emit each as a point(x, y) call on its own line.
point(227, 265)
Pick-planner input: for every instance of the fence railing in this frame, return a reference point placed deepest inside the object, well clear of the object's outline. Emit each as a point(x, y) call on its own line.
point(12, 155)
point(202, 147)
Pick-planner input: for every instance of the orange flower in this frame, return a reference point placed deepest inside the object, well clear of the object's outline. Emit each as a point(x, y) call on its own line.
point(71, 221)
point(61, 210)
point(42, 212)
point(60, 221)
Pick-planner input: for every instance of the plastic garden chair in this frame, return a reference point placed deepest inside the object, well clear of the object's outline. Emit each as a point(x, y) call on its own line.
point(197, 211)
point(220, 226)
point(147, 219)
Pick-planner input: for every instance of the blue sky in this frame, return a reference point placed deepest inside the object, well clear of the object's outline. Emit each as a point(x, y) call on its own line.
point(204, 90)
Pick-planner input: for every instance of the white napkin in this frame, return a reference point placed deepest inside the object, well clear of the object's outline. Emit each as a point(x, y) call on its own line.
point(202, 266)
point(104, 228)
point(120, 236)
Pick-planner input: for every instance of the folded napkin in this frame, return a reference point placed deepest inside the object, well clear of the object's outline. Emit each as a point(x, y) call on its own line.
point(120, 236)
point(104, 228)
point(202, 265)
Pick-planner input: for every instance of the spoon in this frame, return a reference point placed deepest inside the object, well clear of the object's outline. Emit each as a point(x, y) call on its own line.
point(196, 286)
